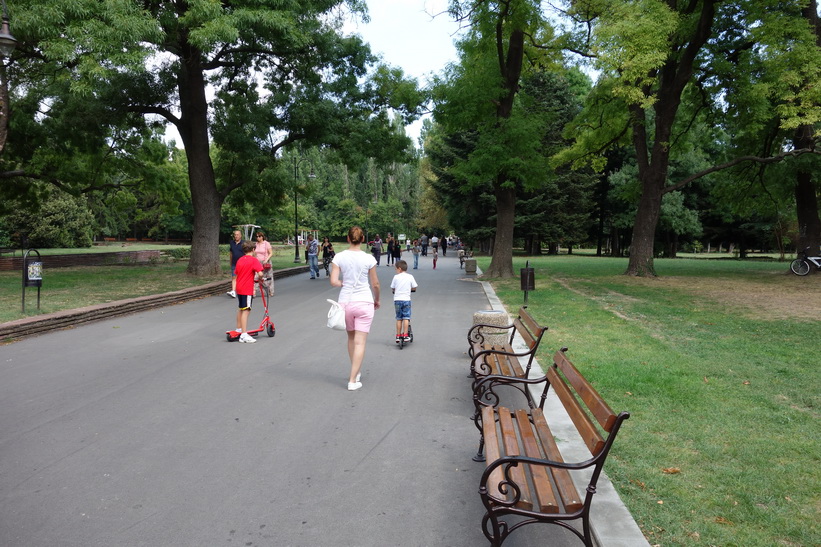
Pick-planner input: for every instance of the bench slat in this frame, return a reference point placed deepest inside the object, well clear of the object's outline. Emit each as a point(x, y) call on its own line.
point(511, 444)
point(598, 407)
point(524, 333)
point(531, 323)
point(497, 364)
point(504, 365)
point(492, 450)
point(539, 474)
point(561, 477)
point(582, 421)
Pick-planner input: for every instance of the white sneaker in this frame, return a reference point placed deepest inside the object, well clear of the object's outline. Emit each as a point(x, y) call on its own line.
point(358, 376)
point(247, 338)
point(232, 294)
point(354, 386)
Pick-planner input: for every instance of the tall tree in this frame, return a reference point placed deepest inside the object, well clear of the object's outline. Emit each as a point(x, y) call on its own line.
point(650, 53)
point(280, 73)
point(480, 95)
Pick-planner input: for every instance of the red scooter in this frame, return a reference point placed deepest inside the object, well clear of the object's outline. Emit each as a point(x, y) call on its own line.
point(266, 325)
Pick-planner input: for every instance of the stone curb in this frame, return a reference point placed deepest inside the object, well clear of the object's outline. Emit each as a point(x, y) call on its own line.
point(38, 324)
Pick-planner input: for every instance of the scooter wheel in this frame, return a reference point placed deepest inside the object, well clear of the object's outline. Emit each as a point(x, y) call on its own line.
point(228, 337)
point(271, 330)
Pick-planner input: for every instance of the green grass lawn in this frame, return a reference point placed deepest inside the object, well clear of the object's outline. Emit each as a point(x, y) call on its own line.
point(716, 362)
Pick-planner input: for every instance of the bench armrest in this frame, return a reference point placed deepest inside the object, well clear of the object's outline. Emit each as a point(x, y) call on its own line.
point(485, 395)
point(475, 332)
point(512, 461)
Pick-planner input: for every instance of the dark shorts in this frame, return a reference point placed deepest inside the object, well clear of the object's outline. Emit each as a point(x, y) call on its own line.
point(403, 309)
point(244, 301)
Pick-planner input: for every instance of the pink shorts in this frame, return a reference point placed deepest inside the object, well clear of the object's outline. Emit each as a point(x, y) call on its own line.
point(358, 316)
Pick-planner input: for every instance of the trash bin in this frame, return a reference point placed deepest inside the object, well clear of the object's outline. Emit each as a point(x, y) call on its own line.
point(470, 266)
point(493, 317)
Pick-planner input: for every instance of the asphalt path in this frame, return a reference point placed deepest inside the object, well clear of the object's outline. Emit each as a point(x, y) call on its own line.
point(152, 429)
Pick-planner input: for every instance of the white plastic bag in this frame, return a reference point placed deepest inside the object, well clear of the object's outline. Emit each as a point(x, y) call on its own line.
point(336, 316)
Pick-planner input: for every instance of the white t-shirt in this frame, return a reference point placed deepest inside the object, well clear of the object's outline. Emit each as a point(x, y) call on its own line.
point(402, 285)
point(354, 267)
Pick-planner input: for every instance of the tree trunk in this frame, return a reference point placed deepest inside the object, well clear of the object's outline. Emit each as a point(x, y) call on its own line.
point(205, 198)
point(644, 230)
point(806, 204)
point(510, 68)
point(806, 195)
point(501, 265)
point(653, 163)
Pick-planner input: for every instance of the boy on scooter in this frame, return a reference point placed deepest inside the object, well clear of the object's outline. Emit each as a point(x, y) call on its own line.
point(249, 271)
point(403, 285)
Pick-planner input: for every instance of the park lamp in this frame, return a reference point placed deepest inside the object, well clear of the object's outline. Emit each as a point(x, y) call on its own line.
point(311, 175)
point(8, 43)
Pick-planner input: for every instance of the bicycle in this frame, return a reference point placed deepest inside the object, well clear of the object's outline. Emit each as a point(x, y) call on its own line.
point(804, 263)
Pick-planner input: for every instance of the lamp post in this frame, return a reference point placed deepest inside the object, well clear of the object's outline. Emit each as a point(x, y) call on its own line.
point(7, 45)
point(297, 163)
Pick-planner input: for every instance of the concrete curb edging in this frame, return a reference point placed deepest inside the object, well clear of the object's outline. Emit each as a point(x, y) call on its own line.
point(38, 324)
point(611, 522)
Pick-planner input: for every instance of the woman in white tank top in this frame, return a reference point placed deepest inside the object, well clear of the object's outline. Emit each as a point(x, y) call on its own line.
point(354, 271)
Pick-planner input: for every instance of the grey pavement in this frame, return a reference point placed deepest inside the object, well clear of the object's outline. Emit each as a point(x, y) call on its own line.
point(152, 429)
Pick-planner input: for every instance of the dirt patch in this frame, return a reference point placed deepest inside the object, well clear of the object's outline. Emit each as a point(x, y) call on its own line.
point(782, 296)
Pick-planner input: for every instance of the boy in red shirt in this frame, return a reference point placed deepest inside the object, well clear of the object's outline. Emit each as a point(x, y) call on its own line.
point(248, 271)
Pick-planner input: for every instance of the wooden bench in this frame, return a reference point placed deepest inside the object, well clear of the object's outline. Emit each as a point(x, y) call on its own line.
point(497, 364)
point(5, 250)
point(526, 479)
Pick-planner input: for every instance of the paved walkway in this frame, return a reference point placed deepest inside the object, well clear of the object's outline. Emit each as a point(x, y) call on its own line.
point(152, 429)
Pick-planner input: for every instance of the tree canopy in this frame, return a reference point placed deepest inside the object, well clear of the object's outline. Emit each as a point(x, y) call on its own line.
point(247, 77)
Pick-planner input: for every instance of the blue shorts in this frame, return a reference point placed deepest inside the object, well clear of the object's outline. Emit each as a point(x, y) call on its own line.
point(403, 309)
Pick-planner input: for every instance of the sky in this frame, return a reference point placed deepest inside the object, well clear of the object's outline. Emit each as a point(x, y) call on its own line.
point(414, 35)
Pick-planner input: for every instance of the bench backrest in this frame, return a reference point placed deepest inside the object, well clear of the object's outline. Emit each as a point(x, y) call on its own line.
point(527, 327)
point(583, 403)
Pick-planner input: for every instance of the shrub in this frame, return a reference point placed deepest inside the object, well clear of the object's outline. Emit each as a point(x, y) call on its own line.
point(180, 252)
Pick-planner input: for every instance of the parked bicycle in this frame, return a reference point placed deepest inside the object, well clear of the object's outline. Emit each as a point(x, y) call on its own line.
point(805, 263)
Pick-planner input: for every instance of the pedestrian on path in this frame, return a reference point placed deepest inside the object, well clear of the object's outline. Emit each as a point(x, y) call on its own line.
point(376, 250)
point(235, 247)
point(435, 256)
point(264, 252)
point(391, 245)
point(359, 296)
point(327, 255)
point(397, 251)
point(417, 250)
point(312, 248)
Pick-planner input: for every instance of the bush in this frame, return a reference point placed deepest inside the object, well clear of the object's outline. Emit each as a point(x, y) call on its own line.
point(62, 220)
point(179, 252)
